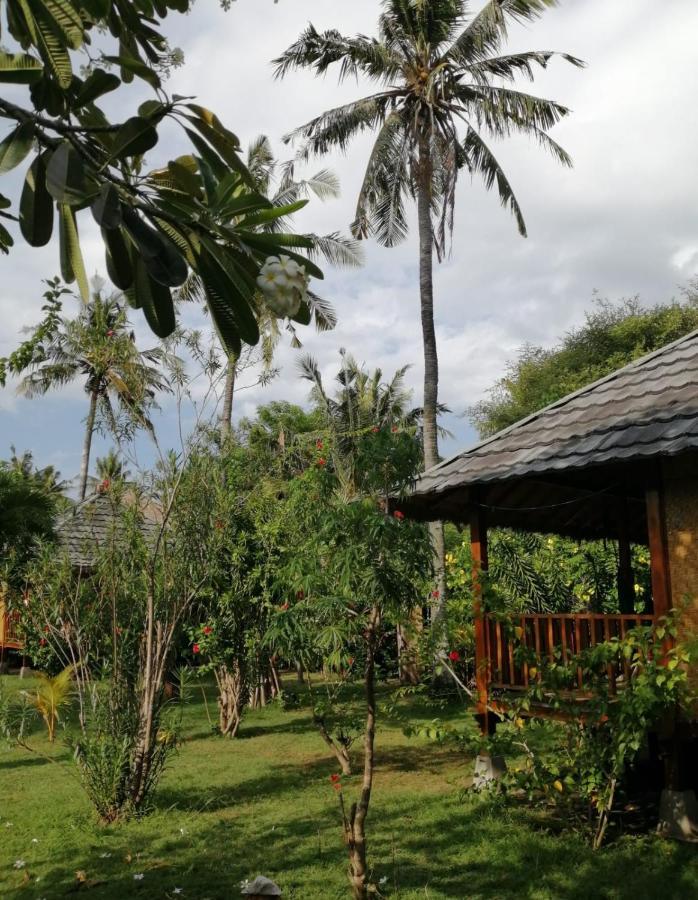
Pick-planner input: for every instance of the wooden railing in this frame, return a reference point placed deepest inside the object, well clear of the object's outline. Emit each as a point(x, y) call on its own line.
point(514, 644)
point(9, 629)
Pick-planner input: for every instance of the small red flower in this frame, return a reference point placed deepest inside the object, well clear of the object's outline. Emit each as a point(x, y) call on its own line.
point(300, 595)
point(207, 629)
point(454, 656)
point(334, 778)
point(319, 445)
point(394, 429)
point(196, 649)
point(218, 524)
point(42, 642)
point(322, 461)
point(399, 514)
point(46, 629)
point(375, 429)
point(435, 595)
point(350, 661)
point(110, 333)
point(119, 631)
point(283, 607)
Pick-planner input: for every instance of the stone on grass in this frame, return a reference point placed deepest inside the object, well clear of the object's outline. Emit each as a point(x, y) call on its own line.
point(261, 887)
point(488, 769)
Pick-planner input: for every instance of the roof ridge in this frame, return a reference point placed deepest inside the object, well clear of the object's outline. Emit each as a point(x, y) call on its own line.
point(636, 363)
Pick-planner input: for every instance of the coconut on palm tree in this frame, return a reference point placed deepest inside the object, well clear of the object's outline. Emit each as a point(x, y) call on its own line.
point(98, 348)
point(443, 94)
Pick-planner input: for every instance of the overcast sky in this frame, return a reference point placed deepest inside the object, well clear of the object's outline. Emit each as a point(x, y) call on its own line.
point(623, 221)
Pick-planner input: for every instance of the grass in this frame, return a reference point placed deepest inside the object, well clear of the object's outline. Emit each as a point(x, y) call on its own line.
point(263, 804)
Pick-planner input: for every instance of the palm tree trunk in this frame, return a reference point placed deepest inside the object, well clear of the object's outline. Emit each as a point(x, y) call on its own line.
point(431, 359)
point(227, 411)
point(87, 444)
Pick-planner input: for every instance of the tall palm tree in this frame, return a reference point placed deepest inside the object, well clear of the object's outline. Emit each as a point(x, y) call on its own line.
point(99, 348)
point(443, 92)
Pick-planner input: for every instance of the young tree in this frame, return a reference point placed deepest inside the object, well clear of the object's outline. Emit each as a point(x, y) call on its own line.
point(156, 226)
point(439, 71)
point(98, 348)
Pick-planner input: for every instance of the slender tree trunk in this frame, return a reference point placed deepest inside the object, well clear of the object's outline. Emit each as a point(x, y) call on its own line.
point(431, 361)
point(231, 699)
point(355, 826)
point(227, 411)
point(87, 444)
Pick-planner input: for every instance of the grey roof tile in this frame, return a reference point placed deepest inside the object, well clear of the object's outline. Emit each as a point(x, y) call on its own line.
point(646, 409)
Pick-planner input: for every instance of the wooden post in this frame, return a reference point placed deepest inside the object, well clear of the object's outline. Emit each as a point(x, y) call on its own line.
point(478, 545)
point(626, 582)
point(659, 555)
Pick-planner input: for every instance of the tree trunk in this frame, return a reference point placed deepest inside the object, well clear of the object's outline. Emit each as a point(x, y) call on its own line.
point(87, 444)
point(431, 362)
point(231, 703)
point(355, 827)
point(227, 411)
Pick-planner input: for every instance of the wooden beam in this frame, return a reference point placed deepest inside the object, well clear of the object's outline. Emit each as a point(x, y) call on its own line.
point(626, 582)
point(659, 554)
point(478, 546)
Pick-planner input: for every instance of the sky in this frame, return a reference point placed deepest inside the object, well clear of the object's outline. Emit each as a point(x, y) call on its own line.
point(621, 223)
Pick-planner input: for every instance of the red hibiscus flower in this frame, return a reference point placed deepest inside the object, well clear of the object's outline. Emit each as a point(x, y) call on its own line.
point(435, 595)
point(350, 661)
point(399, 514)
point(110, 333)
point(283, 607)
point(207, 629)
point(42, 642)
point(319, 445)
point(454, 656)
point(394, 429)
point(375, 429)
point(334, 778)
point(322, 461)
point(196, 649)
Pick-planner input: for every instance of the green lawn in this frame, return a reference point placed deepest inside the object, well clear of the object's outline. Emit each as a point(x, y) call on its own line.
point(264, 804)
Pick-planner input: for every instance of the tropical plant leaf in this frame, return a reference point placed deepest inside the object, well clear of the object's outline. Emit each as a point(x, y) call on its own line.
point(118, 259)
point(5, 239)
point(15, 147)
point(65, 175)
point(227, 293)
point(265, 216)
point(136, 67)
point(106, 209)
point(156, 301)
point(135, 137)
point(36, 206)
point(51, 41)
point(72, 264)
point(19, 68)
point(68, 20)
point(96, 85)
point(162, 259)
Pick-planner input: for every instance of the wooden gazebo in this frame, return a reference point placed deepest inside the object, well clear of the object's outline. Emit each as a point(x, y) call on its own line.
point(617, 459)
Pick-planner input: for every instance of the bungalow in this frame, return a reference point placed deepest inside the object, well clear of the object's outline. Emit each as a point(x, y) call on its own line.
point(617, 460)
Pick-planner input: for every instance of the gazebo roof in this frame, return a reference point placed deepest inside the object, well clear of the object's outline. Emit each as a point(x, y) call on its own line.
point(645, 410)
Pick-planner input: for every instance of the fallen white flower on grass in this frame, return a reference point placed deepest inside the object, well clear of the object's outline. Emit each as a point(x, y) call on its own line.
point(35, 840)
point(139, 876)
point(19, 864)
point(104, 855)
point(383, 880)
point(178, 891)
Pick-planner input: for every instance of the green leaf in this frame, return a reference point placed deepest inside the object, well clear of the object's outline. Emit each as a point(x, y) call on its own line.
point(106, 209)
point(230, 290)
point(5, 202)
point(72, 264)
point(135, 137)
point(227, 150)
point(36, 206)
point(52, 43)
point(96, 85)
point(15, 147)
point(19, 68)
point(119, 267)
point(65, 175)
point(67, 18)
point(162, 259)
point(5, 240)
point(156, 301)
point(136, 67)
point(152, 109)
point(277, 212)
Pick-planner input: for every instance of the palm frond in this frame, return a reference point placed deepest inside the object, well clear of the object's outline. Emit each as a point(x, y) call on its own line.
point(336, 249)
point(482, 161)
point(487, 31)
point(510, 66)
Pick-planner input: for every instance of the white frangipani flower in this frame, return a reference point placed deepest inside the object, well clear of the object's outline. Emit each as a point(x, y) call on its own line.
point(139, 876)
point(19, 864)
point(284, 284)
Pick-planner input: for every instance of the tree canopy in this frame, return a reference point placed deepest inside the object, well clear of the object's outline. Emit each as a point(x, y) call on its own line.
point(612, 336)
point(199, 212)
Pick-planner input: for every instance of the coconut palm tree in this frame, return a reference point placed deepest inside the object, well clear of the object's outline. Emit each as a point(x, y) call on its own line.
point(99, 348)
point(443, 91)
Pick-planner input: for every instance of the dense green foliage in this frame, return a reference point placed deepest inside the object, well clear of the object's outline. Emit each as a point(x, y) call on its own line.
point(612, 336)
